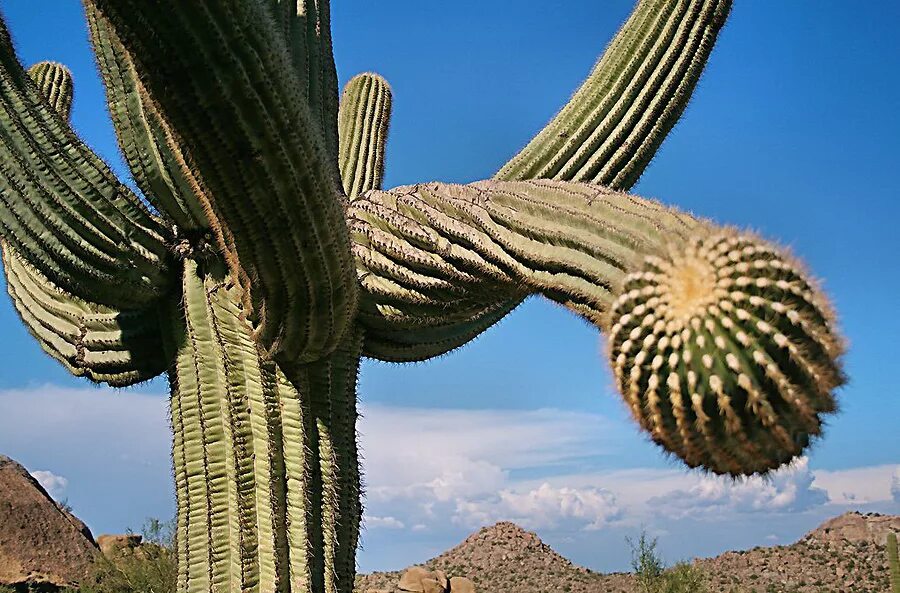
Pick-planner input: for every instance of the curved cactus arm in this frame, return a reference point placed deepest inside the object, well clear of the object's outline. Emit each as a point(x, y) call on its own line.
point(615, 123)
point(221, 77)
point(724, 351)
point(363, 122)
point(105, 345)
point(120, 348)
point(306, 27)
point(148, 146)
point(61, 207)
point(266, 470)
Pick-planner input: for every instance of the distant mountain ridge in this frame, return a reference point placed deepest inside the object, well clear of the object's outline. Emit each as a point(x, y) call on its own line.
point(843, 555)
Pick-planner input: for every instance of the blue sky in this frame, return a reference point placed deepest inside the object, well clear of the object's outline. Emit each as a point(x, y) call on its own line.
point(794, 131)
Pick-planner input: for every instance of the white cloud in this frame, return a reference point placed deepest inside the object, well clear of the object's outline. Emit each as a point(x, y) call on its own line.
point(372, 522)
point(543, 507)
point(861, 485)
point(789, 489)
point(427, 466)
point(53, 484)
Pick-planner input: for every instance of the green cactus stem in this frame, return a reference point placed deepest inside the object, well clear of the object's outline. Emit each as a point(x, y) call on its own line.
point(154, 156)
point(723, 349)
point(894, 562)
point(62, 208)
point(363, 122)
point(103, 344)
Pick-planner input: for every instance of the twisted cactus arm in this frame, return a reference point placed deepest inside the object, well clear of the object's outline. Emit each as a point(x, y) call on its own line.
point(63, 210)
point(615, 123)
point(363, 122)
point(152, 153)
point(724, 351)
point(222, 78)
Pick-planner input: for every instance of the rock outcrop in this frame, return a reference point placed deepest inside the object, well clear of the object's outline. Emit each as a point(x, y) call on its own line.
point(419, 579)
point(856, 527)
point(41, 544)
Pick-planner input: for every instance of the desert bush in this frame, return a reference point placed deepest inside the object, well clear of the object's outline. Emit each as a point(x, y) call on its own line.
point(150, 568)
point(653, 576)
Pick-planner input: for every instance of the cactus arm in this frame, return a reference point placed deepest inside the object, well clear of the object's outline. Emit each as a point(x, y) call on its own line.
point(266, 468)
point(726, 354)
point(152, 154)
point(105, 345)
point(271, 186)
point(615, 123)
point(363, 122)
point(120, 348)
point(62, 209)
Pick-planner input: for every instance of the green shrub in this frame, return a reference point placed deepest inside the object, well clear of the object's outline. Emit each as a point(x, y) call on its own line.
point(150, 568)
point(652, 575)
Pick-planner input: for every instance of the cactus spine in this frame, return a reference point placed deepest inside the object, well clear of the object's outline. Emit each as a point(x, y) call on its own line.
point(275, 262)
point(894, 562)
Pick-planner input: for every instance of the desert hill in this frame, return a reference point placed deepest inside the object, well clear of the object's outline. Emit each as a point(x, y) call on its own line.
point(844, 555)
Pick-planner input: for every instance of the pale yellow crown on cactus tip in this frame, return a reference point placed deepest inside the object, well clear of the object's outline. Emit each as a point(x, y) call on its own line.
point(726, 352)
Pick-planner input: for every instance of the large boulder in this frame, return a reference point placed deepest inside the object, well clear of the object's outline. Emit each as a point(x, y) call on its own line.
point(40, 543)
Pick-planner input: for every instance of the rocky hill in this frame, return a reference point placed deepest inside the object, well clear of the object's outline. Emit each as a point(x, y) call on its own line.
point(844, 555)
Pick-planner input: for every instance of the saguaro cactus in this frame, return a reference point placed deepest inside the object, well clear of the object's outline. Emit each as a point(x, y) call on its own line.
point(893, 562)
point(264, 261)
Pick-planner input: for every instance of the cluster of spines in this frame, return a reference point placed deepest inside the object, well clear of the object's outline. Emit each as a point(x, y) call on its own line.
point(725, 353)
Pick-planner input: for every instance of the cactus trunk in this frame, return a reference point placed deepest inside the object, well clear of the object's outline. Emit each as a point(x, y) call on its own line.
point(266, 469)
